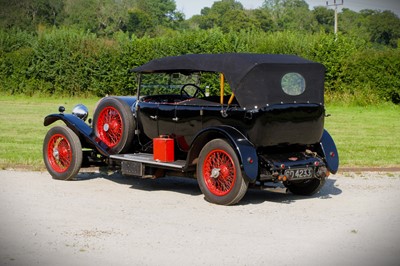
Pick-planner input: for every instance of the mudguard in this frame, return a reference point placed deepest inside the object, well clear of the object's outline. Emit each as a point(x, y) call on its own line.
point(330, 152)
point(244, 148)
point(81, 129)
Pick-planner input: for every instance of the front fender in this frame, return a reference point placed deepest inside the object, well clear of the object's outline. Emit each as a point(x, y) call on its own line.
point(330, 152)
point(81, 129)
point(244, 148)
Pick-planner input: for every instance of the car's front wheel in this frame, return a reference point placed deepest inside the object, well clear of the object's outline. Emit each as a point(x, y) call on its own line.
point(219, 174)
point(62, 153)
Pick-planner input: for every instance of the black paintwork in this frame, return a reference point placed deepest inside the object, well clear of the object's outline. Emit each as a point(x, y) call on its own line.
point(254, 78)
point(283, 124)
point(82, 130)
point(265, 126)
point(245, 149)
point(330, 152)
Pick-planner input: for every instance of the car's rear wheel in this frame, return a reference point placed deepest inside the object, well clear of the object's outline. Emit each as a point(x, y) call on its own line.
point(62, 153)
point(219, 174)
point(306, 187)
point(113, 124)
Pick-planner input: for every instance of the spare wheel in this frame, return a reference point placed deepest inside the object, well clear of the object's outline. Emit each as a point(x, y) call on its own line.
point(114, 124)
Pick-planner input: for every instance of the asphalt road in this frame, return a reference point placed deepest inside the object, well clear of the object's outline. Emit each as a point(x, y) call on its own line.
point(108, 219)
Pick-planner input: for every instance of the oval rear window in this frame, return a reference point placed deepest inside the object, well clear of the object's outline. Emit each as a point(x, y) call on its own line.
point(293, 84)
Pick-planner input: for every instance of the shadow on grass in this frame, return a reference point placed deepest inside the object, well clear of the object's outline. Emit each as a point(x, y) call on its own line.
point(189, 186)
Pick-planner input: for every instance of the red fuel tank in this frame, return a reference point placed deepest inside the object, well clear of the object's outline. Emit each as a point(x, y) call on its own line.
point(163, 149)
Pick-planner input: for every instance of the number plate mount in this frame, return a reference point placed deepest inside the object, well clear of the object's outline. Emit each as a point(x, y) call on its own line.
point(299, 173)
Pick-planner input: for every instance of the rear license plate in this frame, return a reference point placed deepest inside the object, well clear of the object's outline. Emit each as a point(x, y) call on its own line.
point(299, 173)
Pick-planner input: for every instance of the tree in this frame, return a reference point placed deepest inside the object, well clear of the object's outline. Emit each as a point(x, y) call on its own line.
point(354, 24)
point(139, 22)
point(275, 9)
point(236, 20)
point(262, 19)
point(325, 18)
point(229, 15)
point(147, 15)
point(28, 14)
point(82, 14)
point(290, 15)
point(371, 25)
point(384, 28)
point(222, 7)
point(103, 17)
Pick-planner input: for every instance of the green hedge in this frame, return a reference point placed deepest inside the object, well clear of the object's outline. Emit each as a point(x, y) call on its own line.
point(71, 62)
point(375, 72)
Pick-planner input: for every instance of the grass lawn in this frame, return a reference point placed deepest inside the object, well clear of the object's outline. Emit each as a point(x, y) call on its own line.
point(22, 131)
point(365, 136)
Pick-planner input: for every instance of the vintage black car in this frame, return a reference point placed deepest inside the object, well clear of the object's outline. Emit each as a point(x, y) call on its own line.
point(229, 120)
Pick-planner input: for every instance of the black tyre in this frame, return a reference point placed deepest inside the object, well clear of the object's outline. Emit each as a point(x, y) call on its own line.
point(113, 124)
point(219, 174)
point(62, 153)
point(306, 187)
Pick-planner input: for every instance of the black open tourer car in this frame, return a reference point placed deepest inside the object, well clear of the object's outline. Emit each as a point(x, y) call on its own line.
point(229, 120)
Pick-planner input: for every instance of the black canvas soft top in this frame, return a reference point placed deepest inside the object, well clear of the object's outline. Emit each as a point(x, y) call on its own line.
point(255, 79)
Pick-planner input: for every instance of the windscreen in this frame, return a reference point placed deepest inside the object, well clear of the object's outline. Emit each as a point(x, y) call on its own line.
point(165, 83)
point(172, 83)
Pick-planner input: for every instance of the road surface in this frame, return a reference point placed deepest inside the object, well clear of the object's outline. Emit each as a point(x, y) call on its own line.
point(108, 219)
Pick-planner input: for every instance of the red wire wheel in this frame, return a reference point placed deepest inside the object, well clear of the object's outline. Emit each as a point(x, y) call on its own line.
point(62, 153)
point(109, 126)
point(113, 124)
point(219, 174)
point(59, 153)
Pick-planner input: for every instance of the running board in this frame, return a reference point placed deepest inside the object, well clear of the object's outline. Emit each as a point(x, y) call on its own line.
point(147, 159)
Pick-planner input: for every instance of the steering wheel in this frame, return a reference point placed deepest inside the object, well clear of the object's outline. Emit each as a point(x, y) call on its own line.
point(189, 93)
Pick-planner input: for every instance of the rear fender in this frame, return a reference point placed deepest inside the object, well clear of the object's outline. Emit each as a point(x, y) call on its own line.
point(330, 152)
point(81, 129)
point(244, 148)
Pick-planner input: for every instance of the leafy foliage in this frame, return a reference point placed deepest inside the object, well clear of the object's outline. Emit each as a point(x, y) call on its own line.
point(376, 72)
point(385, 28)
point(86, 47)
point(27, 14)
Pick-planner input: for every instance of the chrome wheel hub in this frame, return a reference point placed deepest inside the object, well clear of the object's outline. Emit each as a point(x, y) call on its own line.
point(215, 172)
point(56, 154)
point(106, 127)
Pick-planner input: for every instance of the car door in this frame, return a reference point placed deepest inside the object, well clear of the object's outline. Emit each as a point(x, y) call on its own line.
point(166, 119)
point(147, 114)
point(188, 122)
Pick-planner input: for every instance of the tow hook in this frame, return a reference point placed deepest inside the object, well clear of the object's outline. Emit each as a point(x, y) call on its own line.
point(322, 173)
